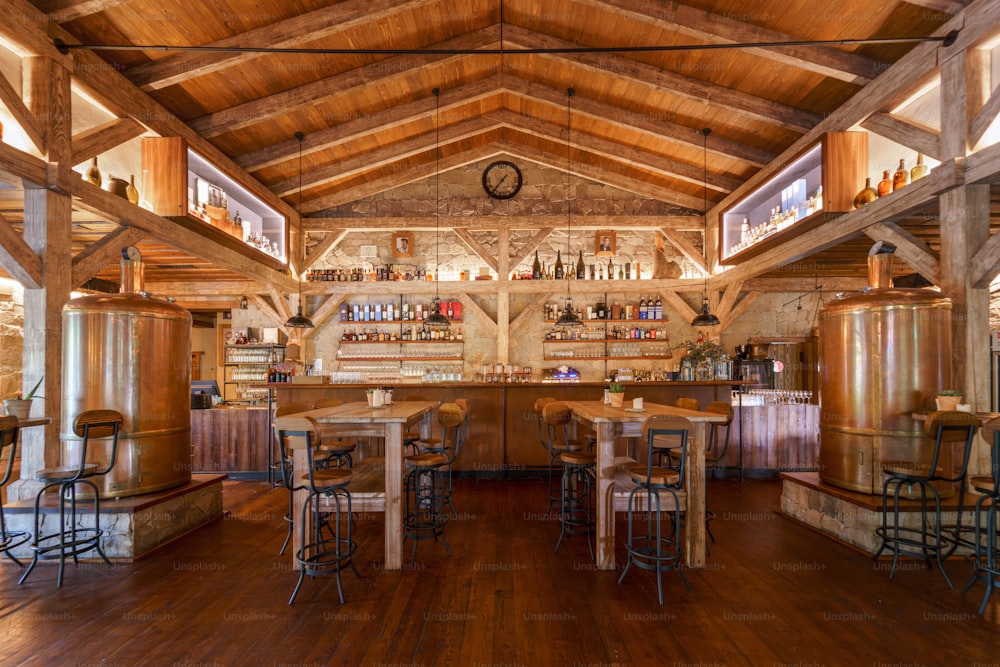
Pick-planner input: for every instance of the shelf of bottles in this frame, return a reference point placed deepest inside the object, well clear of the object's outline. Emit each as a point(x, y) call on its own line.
point(254, 354)
point(824, 179)
point(578, 270)
point(401, 312)
point(368, 274)
point(211, 204)
point(618, 331)
point(644, 310)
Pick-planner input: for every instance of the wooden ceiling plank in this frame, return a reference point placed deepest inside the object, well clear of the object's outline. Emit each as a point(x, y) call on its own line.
point(226, 288)
point(917, 137)
point(477, 247)
point(93, 142)
point(325, 245)
point(648, 76)
point(17, 258)
point(617, 152)
point(383, 72)
point(368, 125)
point(909, 248)
point(15, 105)
point(658, 128)
point(946, 6)
point(686, 248)
point(324, 23)
point(984, 118)
point(64, 11)
point(390, 154)
point(97, 256)
point(721, 29)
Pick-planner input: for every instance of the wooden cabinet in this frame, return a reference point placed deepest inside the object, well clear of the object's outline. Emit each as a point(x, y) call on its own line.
point(824, 179)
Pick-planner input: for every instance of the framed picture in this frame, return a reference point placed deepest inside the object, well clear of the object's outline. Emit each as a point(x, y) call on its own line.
point(604, 244)
point(402, 244)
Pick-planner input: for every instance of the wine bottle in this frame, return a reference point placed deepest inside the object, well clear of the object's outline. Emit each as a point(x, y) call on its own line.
point(581, 269)
point(611, 270)
point(901, 177)
point(559, 265)
point(885, 185)
point(536, 268)
point(919, 169)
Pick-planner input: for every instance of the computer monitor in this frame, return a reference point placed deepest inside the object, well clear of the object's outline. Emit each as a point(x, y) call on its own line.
point(210, 387)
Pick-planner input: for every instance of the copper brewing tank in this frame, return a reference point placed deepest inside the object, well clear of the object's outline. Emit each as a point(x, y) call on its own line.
point(130, 352)
point(884, 354)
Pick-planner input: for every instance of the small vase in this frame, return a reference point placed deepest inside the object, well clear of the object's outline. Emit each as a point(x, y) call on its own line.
point(131, 192)
point(617, 399)
point(885, 185)
point(117, 186)
point(18, 407)
point(93, 174)
point(867, 195)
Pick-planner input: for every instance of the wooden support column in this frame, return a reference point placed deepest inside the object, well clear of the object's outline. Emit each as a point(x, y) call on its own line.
point(47, 231)
point(965, 227)
point(503, 295)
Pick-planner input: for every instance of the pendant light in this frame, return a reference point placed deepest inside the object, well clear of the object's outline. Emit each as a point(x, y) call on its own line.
point(437, 320)
point(300, 321)
point(705, 318)
point(569, 318)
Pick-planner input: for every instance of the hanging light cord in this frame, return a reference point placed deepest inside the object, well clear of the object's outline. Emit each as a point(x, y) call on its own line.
point(437, 190)
point(569, 174)
point(704, 150)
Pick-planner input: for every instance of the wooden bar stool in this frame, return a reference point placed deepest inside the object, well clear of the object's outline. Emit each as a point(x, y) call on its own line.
point(927, 540)
point(544, 442)
point(69, 538)
point(284, 465)
point(984, 559)
point(652, 550)
point(577, 515)
point(9, 539)
point(320, 554)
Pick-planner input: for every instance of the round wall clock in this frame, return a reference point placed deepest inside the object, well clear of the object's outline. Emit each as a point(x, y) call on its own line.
point(502, 179)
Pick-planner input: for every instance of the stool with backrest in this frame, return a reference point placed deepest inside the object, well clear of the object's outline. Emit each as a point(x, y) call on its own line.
point(716, 452)
point(425, 489)
point(70, 538)
point(285, 464)
point(544, 442)
point(665, 453)
point(984, 558)
point(926, 540)
point(9, 539)
point(653, 550)
point(320, 554)
point(340, 449)
point(410, 437)
point(453, 420)
point(577, 515)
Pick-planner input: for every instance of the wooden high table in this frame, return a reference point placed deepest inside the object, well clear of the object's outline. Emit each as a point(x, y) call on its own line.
point(390, 422)
point(610, 423)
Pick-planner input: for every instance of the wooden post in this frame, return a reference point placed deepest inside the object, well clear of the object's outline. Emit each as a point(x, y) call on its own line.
point(48, 232)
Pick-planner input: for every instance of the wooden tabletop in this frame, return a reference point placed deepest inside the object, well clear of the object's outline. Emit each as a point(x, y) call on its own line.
point(598, 411)
point(360, 413)
point(33, 421)
point(922, 415)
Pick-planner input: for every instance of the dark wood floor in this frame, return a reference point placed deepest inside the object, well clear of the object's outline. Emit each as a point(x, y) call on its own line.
point(774, 593)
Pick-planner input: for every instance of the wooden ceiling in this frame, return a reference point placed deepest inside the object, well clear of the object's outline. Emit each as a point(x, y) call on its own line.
point(369, 117)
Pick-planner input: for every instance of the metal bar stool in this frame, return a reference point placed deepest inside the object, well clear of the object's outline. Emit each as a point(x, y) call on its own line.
point(984, 559)
point(714, 453)
point(320, 555)
point(284, 466)
point(424, 516)
point(927, 540)
point(70, 538)
point(577, 515)
point(652, 550)
point(340, 449)
point(9, 539)
point(453, 419)
point(544, 442)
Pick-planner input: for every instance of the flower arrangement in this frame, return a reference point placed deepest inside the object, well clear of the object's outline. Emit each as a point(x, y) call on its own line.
point(31, 394)
point(702, 351)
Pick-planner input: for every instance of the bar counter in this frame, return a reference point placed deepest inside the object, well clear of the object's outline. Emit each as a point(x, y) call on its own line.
point(230, 439)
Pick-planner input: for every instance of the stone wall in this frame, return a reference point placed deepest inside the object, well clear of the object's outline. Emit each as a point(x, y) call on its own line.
point(11, 344)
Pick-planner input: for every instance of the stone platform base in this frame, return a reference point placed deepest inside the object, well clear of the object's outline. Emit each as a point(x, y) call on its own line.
point(849, 516)
point(136, 525)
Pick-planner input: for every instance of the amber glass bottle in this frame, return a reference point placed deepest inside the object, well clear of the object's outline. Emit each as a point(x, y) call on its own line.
point(901, 177)
point(867, 195)
point(885, 185)
point(919, 169)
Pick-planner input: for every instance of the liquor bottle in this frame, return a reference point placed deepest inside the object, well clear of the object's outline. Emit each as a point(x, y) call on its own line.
point(642, 308)
point(601, 271)
point(93, 174)
point(559, 266)
point(611, 270)
point(901, 177)
point(745, 231)
point(658, 315)
point(581, 269)
point(536, 268)
point(628, 270)
point(885, 185)
point(621, 272)
point(919, 169)
point(867, 195)
point(637, 270)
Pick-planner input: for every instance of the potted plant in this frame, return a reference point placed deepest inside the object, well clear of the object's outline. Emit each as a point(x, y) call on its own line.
point(616, 394)
point(20, 407)
point(948, 399)
point(701, 354)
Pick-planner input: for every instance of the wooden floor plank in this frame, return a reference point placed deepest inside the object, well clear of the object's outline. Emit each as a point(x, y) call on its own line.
point(774, 592)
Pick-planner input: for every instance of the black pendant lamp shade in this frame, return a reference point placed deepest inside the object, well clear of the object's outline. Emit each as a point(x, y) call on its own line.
point(437, 320)
point(569, 318)
point(705, 318)
point(300, 321)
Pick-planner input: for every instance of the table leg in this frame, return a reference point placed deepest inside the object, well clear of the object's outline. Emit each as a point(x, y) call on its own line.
point(300, 464)
point(393, 496)
point(694, 522)
point(605, 496)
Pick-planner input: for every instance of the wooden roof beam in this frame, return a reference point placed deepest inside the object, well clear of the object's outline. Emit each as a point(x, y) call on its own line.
point(909, 248)
point(93, 142)
point(17, 258)
point(648, 76)
point(495, 222)
point(919, 138)
point(97, 256)
point(15, 105)
point(720, 29)
point(64, 11)
point(266, 109)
